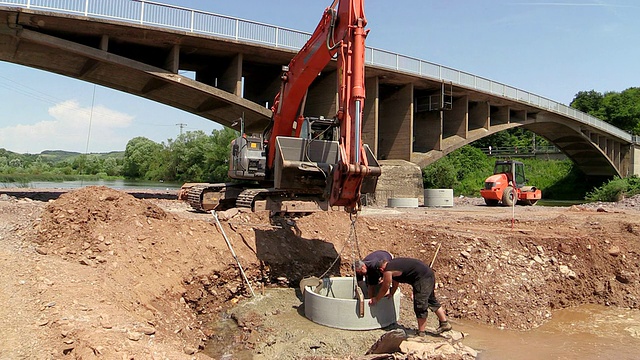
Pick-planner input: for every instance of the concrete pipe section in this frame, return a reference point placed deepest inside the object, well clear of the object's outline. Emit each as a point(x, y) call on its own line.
point(403, 202)
point(438, 197)
point(334, 304)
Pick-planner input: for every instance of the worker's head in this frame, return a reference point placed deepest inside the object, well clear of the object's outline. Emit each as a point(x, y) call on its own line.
point(381, 265)
point(360, 267)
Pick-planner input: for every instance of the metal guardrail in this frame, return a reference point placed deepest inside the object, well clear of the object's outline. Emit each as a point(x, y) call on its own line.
point(196, 21)
point(520, 151)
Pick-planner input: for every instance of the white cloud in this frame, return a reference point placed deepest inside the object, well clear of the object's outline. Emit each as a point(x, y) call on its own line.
point(69, 129)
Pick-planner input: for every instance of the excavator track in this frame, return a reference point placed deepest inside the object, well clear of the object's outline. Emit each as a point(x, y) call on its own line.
point(194, 197)
point(247, 197)
point(206, 197)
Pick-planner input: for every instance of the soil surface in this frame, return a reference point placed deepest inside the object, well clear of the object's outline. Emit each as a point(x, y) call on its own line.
point(97, 273)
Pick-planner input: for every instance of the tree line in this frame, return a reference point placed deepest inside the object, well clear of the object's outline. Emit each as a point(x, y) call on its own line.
point(191, 157)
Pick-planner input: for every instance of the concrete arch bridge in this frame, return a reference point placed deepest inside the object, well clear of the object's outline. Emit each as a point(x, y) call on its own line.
point(415, 110)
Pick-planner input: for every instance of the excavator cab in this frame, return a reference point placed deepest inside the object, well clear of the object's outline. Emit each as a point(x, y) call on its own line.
point(320, 128)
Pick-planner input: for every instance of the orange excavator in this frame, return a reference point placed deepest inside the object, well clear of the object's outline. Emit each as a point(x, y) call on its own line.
point(305, 163)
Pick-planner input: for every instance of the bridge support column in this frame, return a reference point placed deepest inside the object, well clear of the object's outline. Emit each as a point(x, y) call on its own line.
point(633, 160)
point(499, 115)
point(172, 62)
point(104, 43)
point(322, 97)
point(479, 115)
point(396, 122)
point(370, 114)
point(455, 121)
point(231, 79)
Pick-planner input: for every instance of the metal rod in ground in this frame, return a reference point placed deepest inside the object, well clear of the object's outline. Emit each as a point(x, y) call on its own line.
point(215, 216)
point(513, 212)
point(434, 255)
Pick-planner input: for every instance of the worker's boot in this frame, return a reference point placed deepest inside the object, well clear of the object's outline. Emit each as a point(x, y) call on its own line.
point(444, 326)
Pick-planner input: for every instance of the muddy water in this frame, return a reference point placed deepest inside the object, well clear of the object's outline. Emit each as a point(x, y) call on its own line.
point(586, 332)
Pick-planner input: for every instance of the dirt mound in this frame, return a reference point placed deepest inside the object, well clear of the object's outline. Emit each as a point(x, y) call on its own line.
point(99, 273)
point(122, 265)
point(83, 223)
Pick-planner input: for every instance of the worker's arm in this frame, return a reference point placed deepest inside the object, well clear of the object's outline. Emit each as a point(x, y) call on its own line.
point(371, 291)
point(387, 279)
point(394, 287)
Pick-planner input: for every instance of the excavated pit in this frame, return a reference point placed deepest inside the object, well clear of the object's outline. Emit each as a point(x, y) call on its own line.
point(334, 304)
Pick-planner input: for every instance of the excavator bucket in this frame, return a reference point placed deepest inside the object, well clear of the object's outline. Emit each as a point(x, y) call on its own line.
point(370, 183)
point(304, 164)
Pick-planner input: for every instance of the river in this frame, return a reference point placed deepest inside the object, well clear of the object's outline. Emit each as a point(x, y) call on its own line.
point(587, 332)
point(115, 184)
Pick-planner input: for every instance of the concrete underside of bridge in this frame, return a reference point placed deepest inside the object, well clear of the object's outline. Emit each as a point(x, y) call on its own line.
point(406, 117)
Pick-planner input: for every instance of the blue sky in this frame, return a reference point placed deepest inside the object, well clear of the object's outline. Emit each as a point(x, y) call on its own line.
point(551, 48)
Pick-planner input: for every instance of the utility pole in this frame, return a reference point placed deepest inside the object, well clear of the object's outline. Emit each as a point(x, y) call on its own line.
point(181, 125)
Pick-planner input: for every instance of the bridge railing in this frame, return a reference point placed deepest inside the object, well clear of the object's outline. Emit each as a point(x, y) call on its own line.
point(202, 22)
point(522, 151)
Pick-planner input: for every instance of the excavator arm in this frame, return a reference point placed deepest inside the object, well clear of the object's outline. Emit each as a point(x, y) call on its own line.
point(339, 34)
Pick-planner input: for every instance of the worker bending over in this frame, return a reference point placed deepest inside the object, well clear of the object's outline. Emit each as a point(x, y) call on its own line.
point(423, 281)
point(367, 271)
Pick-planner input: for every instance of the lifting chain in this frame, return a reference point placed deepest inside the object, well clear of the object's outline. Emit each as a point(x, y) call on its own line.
point(352, 233)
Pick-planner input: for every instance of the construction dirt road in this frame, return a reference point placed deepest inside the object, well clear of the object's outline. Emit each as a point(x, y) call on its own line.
point(98, 273)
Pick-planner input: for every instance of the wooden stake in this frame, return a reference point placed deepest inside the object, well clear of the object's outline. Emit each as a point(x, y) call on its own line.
point(434, 256)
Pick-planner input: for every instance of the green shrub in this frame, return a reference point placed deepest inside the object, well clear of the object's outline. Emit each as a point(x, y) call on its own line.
point(441, 175)
point(615, 190)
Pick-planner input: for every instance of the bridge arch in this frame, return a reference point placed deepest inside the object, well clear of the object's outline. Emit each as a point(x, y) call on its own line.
point(415, 110)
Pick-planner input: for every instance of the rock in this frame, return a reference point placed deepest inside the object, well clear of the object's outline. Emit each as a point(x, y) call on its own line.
point(227, 214)
point(469, 351)
point(134, 335)
point(104, 322)
point(538, 259)
point(147, 330)
point(564, 270)
point(624, 277)
point(565, 249)
point(189, 350)
point(86, 262)
point(465, 254)
point(427, 350)
point(42, 251)
point(614, 251)
point(388, 343)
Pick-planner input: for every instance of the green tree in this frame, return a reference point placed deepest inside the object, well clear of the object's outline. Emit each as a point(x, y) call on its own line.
point(196, 156)
point(217, 161)
point(140, 156)
point(618, 109)
point(623, 109)
point(589, 102)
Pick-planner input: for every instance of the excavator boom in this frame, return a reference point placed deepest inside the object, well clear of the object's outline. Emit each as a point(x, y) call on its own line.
point(298, 158)
point(340, 33)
